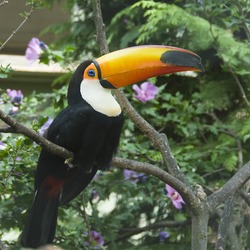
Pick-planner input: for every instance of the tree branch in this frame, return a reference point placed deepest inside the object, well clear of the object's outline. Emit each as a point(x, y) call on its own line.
point(158, 140)
point(245, 197)
point(117, 162)
point(242, 91)
point(149, 169)
point(40, 140)
point(100, 27)
point(19, 27)
point(245, 26)
point(230, 187)
point(239, 145)
point(132, 231)
point(162, 175)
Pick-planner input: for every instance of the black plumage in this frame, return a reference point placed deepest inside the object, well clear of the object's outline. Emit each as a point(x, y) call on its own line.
point(93, 138)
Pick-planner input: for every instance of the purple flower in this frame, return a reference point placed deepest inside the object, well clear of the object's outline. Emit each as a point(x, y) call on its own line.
point(163, 235)
point(142, 177)
point(145, 92)
point(200, 2)
point(34, 49)
point(94, 195)
point(125, 20)
point(45, 126)
point(94, 239)
point(2, 146)
point(132, 176)
point(15, 96)
point(175, 197)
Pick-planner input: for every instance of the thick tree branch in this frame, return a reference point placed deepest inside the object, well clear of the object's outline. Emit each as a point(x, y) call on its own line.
point(162, 175)
point(117, 162)
point(158, 140)
point(245, 196)
point(230, 187)
point(47, 145)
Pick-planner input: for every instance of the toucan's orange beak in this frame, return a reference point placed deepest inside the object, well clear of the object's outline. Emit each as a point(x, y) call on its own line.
point(127, 66)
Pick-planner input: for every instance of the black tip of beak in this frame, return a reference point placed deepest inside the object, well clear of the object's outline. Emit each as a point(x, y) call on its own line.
point(183, 59)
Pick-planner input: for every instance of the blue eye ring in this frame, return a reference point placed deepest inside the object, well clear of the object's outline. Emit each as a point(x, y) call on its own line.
point(91, 73)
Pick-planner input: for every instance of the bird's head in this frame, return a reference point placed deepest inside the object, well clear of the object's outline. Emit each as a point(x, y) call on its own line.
point(131, 65)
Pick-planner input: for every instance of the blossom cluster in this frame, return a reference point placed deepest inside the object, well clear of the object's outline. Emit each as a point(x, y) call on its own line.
point(94, 239)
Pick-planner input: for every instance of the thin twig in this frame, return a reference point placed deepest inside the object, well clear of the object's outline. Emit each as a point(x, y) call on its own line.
point(239, 145)
point(100, 27)
point(19, 27)
point(132, 231)
point(239, 86)
point(242, 14)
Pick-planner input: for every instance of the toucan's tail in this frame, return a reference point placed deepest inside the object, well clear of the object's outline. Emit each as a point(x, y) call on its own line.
point(40, 226)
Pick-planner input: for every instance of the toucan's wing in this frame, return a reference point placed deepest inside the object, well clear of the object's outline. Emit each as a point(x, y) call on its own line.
point(79, 179)
point(67, 128)
point(65, 131)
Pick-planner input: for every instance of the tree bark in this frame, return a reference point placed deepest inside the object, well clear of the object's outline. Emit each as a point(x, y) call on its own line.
point(200, 228)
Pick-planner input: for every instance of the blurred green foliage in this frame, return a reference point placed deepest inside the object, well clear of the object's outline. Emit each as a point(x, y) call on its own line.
point(206, 119)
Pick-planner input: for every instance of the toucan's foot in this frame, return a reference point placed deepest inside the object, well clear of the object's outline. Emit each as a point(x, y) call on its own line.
point(69, 162)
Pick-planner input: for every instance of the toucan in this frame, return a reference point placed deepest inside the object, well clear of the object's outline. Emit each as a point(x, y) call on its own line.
point(90, 127)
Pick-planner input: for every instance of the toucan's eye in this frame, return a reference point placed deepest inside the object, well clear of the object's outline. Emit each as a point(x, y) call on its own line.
point(91, 73)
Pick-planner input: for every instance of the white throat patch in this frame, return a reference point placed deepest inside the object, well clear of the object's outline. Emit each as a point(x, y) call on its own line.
point(99, 98)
